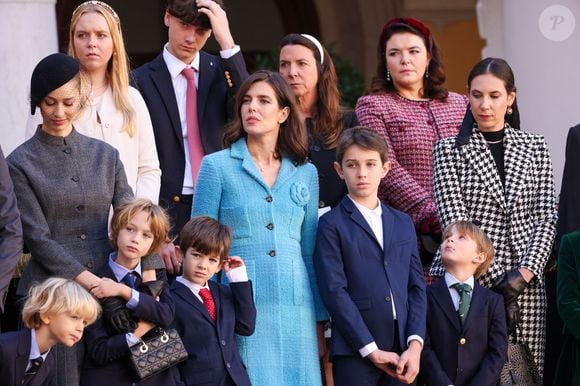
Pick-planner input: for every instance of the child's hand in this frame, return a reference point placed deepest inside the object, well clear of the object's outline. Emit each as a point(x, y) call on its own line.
point(232, 263)
point(385, 360)
point(408, 366)
point(109, 288)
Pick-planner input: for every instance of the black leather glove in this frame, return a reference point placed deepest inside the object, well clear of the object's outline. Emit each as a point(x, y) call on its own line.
point(153, 288)
point(510, 285)
point(116, 316)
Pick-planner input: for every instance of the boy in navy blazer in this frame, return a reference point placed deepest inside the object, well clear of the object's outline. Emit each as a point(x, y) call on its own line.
point(209, 314)
point(56, 311)
point(369, 273)
point(466, 334)
point(131, 307)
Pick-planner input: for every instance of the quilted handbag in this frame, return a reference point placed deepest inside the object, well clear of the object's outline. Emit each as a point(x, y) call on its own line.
point(520, 368)
point(158, 350)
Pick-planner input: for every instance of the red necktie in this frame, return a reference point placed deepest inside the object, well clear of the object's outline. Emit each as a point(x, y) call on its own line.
point(208, 302)
point(193, 138)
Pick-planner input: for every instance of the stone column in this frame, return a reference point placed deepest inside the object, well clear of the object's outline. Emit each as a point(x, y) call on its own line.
point(29, 33)
point(541, 42)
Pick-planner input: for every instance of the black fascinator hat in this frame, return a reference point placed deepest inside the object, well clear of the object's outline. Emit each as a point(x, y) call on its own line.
point(49, 74)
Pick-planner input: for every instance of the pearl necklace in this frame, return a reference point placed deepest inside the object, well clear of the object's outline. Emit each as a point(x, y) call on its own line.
point(493, 142)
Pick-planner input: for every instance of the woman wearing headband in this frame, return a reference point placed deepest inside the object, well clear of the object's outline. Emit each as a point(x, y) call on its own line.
point(114, 112)
point(500, 178)
point(308, 69)
point(409, 106)
point(65, 184)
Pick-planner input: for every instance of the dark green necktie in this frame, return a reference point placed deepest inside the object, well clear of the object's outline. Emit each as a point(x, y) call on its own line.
point(464, 291)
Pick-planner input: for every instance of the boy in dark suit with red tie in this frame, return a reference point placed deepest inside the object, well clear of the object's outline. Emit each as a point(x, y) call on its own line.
point(466, 326)
point(56, 311)
point(209, 314)
point(369, 273)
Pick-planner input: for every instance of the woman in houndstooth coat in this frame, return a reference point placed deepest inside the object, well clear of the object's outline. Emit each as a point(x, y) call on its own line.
point(500, 178)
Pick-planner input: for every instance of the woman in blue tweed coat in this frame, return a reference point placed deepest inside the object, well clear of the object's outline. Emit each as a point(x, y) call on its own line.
point(262, 187)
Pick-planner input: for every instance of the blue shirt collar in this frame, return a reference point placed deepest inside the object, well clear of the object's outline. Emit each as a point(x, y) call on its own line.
point(118, 270)
point(34, 349)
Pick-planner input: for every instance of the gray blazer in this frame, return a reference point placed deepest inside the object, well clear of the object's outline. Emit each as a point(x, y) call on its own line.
point(65, 187)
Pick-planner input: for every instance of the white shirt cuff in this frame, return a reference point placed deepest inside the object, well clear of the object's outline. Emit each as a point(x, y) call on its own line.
point(237, 275)
point(369, 348)
point(415, 337)
point(134, 301)
point(226, 54)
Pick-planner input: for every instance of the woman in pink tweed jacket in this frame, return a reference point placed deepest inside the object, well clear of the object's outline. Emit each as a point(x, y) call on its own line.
point(409, 106)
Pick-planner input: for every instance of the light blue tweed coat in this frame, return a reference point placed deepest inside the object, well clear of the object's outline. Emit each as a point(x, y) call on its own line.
point(274, 230)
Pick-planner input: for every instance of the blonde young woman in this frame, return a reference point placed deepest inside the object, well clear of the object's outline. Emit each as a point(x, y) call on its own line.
point(114, 112)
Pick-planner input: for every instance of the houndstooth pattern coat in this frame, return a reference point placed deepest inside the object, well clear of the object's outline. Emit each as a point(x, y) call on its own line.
point(520, 219)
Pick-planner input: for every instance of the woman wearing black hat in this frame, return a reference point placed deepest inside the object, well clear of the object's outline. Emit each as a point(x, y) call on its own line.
point(65, 184)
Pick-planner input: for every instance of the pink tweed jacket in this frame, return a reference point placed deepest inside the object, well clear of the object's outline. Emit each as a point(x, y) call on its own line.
point(411, 129)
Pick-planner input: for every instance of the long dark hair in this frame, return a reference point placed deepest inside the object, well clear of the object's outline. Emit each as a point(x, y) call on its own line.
point(326, 117)
point(433, 85)
point(292, 141)
point(500, 69)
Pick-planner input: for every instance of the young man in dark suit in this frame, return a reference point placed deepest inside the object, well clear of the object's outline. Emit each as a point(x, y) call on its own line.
point(369, 273)
point(209, 314)
point(466, 325)
point(188, 122)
